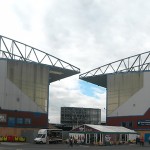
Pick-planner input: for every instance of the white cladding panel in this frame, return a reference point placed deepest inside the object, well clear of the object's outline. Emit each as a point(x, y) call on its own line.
point(3, 75)
point(136, 104)
point(23, 86)
point(17, 100)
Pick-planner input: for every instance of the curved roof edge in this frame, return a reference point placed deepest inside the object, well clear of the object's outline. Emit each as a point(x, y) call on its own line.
point(136, 63)
point(13, 50)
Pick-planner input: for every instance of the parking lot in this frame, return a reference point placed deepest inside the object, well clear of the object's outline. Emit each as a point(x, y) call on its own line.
point(28, 146)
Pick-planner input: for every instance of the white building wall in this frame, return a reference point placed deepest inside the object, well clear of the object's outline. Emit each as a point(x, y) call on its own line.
point(3, 75)
point(138, 103)
point(11, 95)
point(17, 100)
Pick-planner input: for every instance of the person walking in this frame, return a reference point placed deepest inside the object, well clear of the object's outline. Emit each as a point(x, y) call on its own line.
point(142, 141)
point(71, 142)
point(137, 140)
point(149, 139)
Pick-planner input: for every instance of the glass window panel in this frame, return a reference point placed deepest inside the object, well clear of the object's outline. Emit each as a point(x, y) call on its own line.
point(19, 120)
point(27, 121)
point(11, 122)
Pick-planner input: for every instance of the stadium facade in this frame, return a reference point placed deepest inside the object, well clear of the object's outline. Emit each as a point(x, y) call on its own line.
point(127, 83)
point(72, 117)
point(25, 76)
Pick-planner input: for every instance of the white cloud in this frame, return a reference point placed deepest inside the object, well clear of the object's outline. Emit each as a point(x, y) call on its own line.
point(84, 33)
point(67, 93)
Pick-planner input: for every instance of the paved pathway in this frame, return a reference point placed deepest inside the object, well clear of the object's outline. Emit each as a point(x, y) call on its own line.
point(27, 146)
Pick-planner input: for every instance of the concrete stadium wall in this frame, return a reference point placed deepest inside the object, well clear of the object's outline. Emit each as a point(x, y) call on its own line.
point(132, 95)
point(23, 86)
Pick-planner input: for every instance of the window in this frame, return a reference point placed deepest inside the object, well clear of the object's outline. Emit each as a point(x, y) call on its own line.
point(123, 124)
point(11, 121)
point(27, 121)
point(19, 120)
point(130, 124)
point(43, 136)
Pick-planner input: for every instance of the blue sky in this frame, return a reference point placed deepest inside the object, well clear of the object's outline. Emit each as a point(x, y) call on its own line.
point(87, 88)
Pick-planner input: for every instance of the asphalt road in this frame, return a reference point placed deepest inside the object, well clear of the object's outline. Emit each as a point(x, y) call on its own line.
point(27, 146)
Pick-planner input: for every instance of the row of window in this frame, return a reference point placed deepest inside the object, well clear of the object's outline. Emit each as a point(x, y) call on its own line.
point(127, 124)
point(12, 121)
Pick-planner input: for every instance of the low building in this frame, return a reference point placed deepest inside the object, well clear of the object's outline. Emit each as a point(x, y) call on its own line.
point(102, 135)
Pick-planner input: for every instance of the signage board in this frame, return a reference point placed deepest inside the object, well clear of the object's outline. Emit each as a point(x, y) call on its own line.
point(107, 138)
point(143, 122)
point(3, 118)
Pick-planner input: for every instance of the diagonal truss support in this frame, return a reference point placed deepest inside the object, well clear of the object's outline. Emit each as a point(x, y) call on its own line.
point(12, 49)
point(139, 62)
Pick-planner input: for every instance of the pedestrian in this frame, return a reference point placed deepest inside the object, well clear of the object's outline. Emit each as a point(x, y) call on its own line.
point(137, 140)
point(71, 142)
point(149, 139)
point(142, 141)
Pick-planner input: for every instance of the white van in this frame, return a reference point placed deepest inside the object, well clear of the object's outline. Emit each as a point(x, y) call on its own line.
point(49, 136)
